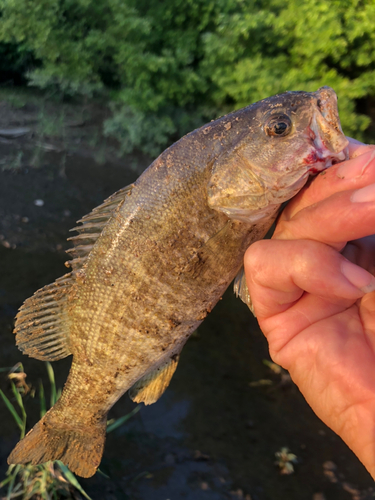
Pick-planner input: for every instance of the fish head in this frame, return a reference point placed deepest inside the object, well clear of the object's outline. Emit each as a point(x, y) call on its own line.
point(283, 140)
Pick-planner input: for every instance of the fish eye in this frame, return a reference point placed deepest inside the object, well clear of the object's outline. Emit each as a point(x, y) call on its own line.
point(279, 125)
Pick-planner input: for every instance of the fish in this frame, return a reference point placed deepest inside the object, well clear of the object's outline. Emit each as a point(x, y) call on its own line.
point(151, 262)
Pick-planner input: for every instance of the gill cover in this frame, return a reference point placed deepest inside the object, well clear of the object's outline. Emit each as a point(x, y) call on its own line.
point(234, 187)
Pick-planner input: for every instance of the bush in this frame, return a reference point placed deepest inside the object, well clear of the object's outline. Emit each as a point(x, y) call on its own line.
point(15, 61)
point(296, 45)
point(169, 66)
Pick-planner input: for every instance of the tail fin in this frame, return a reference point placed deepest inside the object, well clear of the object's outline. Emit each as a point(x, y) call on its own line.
point(80, 449)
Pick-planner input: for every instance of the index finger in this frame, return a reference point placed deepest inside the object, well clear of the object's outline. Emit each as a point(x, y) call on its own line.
point(351, 174)
point(342, 217)
point(357, 148)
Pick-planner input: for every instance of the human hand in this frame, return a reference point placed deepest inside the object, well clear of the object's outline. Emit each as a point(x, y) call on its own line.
point(312, 289)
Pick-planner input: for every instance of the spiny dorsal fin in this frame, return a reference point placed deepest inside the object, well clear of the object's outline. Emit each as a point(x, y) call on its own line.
point(42, 331)
point(41, 327)
point(241, 290)
point(149, 388)
point(92, 226)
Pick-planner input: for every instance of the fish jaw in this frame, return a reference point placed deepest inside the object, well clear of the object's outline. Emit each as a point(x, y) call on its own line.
point(328, 121)
point(329, 144)
point(324, 151)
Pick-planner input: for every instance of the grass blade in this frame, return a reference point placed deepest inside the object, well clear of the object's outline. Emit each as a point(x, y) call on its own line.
point(18, 397)
point(5, 481)
point(117, 423)
point(13, 479)
point(100, 472)
point(72, 479)
point(43, 484)
point(12, 410)
point(51, 376)
point(42, 399)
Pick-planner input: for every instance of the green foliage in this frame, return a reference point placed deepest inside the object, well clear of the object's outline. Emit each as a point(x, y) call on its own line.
point(296, 45)
point(169, 66)
point(136, 129)
point(15, 61)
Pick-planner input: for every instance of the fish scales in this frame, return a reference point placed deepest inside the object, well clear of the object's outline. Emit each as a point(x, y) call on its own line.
point(156, 272)
point(155, 258)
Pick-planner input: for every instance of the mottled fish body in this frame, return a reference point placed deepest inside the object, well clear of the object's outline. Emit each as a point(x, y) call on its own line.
point(153, 260)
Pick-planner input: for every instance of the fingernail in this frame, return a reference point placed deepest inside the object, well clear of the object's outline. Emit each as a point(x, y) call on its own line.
point(355, 167)
point(358, 276)
point(364, 194)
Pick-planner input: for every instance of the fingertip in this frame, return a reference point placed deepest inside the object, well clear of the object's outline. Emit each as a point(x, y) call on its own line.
point(356, 166)
point(357, 148)
point(357, 276)
point(255, 254)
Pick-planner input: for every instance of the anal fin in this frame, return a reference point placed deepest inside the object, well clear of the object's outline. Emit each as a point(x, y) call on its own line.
point(41, 326)
point(150, 388)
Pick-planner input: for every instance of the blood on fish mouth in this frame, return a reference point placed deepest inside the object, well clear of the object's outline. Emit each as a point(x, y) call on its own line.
point(321, 164)
point(321, 157)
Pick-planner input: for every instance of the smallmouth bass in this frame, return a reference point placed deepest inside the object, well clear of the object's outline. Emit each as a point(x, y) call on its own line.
point(152, 261)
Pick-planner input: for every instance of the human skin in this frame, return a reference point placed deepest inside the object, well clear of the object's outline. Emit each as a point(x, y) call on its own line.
point(313, 293)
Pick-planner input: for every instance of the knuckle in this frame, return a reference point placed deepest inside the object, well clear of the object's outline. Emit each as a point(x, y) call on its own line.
point(282, 230)
point(254, 256)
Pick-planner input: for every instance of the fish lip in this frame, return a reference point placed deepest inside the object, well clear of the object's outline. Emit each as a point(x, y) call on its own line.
point(325, 106)
point(329, 145)
point(320, 158)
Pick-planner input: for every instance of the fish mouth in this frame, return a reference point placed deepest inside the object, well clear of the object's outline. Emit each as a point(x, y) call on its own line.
point(329, 144)
point(320, 157)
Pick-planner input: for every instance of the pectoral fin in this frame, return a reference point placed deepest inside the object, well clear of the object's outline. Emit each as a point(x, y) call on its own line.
point(150, 388)
point(241, 290)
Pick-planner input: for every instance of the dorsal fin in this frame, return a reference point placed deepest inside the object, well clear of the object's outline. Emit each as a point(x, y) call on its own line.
point(42, 329)
point(149, 388)
point(241, 290)
point(92, 226)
